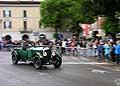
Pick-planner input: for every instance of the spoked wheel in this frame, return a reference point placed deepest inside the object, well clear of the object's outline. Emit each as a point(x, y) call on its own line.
point(57, 61)
point(37, 62)
point(14, 58)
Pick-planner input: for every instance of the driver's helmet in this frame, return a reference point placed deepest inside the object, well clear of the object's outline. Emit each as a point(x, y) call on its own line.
point(25, 43)
point(42, 36)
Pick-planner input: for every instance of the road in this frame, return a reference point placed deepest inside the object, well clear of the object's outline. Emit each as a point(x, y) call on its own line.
point(75, 71)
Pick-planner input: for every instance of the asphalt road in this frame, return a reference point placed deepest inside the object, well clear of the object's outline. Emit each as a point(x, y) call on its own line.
point(75, 71)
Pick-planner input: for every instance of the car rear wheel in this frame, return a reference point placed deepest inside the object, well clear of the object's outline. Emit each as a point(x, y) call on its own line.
point(57, 61)
point(37, 62)
point(14, 58)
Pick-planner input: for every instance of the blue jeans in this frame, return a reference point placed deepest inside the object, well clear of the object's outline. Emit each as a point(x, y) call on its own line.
point(100, 57)
point(117, 58)
point(107, 56)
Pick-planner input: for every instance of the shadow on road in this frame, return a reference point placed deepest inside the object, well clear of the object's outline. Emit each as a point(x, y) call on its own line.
point(30, 66)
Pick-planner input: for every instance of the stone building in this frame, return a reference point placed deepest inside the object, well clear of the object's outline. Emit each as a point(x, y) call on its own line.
point(20, 19)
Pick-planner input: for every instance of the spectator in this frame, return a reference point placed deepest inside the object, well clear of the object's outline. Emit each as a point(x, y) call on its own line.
point(73, 46)
point(112, 51)
point(95, 44)
point(100, 51)
point(107, 51)
point(1, 45)
point(117, 52)
point(64, 42)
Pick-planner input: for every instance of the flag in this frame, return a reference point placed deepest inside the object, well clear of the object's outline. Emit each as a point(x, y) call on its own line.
point(85, 29)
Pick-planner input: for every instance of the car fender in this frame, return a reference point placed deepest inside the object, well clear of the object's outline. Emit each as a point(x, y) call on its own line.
point(14, 52)
point(37, 53)
point(58, 54)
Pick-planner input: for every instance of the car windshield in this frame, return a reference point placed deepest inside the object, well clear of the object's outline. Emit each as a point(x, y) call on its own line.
point(36, 48)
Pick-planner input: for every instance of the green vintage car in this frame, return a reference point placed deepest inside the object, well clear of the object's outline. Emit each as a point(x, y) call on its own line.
point(39, 55)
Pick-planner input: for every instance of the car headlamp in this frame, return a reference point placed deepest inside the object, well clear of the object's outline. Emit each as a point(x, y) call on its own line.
point(44, 53)
point(53, 54)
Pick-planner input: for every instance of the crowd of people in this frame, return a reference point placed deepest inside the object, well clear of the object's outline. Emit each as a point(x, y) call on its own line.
point(70, 43)
point(108, 49)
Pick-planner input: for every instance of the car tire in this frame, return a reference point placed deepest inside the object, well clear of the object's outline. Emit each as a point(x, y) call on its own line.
point(57, 61)
point(37, 62)
point(14, 58)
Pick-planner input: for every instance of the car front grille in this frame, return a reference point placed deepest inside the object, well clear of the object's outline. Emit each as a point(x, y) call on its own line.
point(48, 53)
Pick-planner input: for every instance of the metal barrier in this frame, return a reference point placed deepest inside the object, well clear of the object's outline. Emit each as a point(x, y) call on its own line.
point(7, 47)
point(75, 51)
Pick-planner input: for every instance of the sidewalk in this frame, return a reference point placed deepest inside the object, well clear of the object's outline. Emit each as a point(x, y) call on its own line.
point(112, 65)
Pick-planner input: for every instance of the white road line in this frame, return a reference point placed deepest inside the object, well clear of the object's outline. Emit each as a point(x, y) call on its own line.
point(117, 82)
point(74, 57)
point(78, 58)
point(43, 73)
point(109, 68)
point(91, 63)
point(99, 71)
point(83, 58)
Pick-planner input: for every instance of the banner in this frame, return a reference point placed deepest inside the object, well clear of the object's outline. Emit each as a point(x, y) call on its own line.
point(85, 29)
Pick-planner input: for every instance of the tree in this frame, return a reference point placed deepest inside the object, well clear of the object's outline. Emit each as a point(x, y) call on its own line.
point(110, 26)
point(109, 9)
point(61, 14)
point(88, 12)
point(106, 7)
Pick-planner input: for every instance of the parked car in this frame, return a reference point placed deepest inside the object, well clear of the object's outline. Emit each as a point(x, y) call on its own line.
point(39, 55)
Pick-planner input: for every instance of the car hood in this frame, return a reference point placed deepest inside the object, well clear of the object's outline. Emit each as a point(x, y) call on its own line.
point(36, 48)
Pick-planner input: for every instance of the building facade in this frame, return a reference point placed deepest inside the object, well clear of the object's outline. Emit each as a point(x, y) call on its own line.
point(20, 18)
point(96, 28)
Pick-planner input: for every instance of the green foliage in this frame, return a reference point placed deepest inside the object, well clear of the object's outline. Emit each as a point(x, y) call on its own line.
point(88, 13)
point(109, 9)
point(54, 35)
point(111, 25)
point(106, 7)
point(61, 13)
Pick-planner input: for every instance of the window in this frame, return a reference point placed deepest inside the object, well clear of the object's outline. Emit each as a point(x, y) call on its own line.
point(25, 25)
point(6, 13)
point(7, 24)
point(24, 13)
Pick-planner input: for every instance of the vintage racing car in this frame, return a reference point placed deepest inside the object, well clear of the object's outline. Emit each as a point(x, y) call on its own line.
point(39, 55)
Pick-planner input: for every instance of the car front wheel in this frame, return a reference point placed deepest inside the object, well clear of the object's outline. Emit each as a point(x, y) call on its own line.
point(57, 61)
point(37, 62)
point(14, 58)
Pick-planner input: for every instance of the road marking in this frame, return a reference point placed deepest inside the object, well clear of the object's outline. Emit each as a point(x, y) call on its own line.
point(99, 71)
point(83, 58)
point(74, 57)
point(78, 58)
point(91, 63)
point(41, 73)
point(117, 82)
point(109, 68)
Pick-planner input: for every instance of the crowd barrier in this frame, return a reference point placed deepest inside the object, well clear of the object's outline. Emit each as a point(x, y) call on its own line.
point(75, 51)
